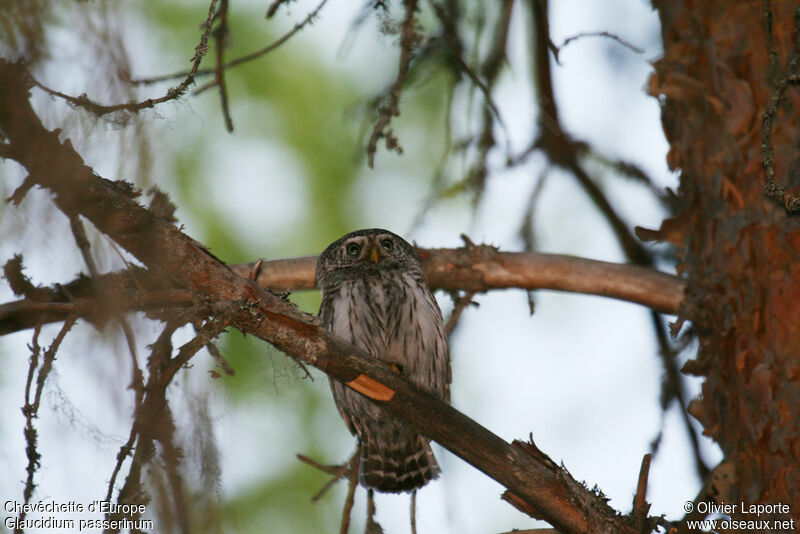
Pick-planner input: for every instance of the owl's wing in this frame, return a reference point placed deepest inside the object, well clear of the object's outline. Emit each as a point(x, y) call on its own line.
point(426, 358)
point(326, 311)
point(335, 314)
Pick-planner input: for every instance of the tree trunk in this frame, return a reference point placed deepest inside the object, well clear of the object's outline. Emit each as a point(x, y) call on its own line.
point(723, 61)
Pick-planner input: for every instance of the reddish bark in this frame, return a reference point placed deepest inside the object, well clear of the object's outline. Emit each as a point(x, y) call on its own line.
point(739, 250)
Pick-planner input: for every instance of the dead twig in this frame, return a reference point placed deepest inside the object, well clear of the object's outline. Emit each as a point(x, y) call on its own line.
point(32, 401)
point(337, 472)
point(640, 505)
point(774, 190)
point(408, 40)
point(614, 37)
point(460, 302)
point(242, 59)
point(220, 35)
point(177, 91)
point(352, 484)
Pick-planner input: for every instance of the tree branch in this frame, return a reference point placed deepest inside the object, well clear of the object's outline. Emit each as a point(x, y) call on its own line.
point(536, 483)
point(482, 268)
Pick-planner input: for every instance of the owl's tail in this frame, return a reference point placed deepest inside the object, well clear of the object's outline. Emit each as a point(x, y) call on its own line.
point(404, 466)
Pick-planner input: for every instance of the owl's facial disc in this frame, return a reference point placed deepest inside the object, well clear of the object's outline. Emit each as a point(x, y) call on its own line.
point(371, 249)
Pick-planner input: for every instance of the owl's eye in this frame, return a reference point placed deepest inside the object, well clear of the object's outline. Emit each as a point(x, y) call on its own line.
point(387, 244)
point(353, 249)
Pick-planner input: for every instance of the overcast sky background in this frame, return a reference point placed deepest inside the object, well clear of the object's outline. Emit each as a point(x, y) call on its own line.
point(582, 374)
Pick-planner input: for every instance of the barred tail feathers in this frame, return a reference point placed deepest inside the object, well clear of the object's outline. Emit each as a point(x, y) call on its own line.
point(404, 466)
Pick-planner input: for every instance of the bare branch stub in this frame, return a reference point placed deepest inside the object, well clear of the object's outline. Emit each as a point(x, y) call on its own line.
point(640, 505)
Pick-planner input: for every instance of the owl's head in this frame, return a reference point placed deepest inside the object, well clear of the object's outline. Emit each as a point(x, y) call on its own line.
point(366, 250)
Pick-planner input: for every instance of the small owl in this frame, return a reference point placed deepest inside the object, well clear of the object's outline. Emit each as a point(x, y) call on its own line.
point(375, 296)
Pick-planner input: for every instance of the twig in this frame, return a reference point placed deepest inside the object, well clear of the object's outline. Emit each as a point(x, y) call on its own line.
point(561, 150)
point(352, 484)
point(490, 70)
point(273, 7)
point(256, 269)
point(29, 413)
point(205, 334)
point(413, 514)
point(526, 229)
point(772, 52)
point(373, 527)
point(772, 189)
point(151, 421)
point(242, 59)
point(337, 472)
point(220, 359)
point(460, 302)
point(79, 232)
point(491, 67)
point(534, 531)
point(31, 408)
point(628, 169)
point(220, 39)
point(123, 453)
point(673, 387)
point(84, 102)
point(640, 506)
point(408, 39)
point(623, 42)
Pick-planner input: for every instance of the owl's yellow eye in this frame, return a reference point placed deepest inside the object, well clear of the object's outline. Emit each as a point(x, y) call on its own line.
point(353, 249)
point(387, 244)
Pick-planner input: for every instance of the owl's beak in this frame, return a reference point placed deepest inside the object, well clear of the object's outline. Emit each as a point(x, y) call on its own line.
point(374, 255)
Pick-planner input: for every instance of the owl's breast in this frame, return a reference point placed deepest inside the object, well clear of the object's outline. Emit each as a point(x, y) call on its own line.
point(375, 313)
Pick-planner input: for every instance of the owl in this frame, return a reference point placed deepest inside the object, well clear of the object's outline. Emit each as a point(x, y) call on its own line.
point(375, 296)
